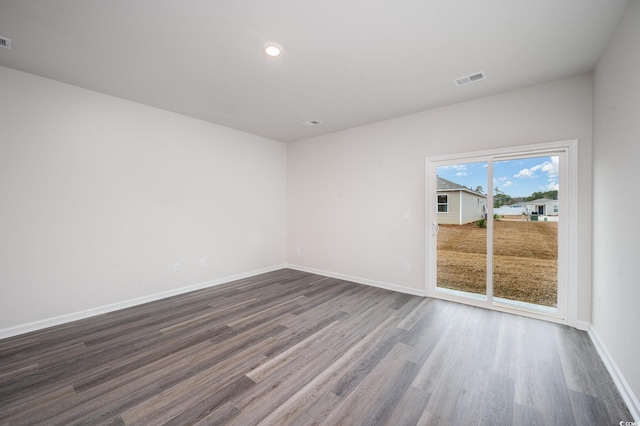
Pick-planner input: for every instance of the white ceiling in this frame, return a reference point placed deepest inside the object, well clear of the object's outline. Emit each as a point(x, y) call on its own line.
point(345, 62)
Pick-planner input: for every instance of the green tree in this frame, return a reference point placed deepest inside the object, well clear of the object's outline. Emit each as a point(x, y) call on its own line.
point(500, 198)
point(552, 195)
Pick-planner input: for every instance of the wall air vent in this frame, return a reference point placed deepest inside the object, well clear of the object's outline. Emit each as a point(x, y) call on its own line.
point(471, 78)
point(311, 123)
point(5, 42)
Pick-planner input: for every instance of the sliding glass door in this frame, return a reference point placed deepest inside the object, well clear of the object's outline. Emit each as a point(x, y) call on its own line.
point(462, 232)
point(526, 216)
point(495, 230)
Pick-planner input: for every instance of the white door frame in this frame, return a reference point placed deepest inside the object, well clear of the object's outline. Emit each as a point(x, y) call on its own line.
point(567, 312)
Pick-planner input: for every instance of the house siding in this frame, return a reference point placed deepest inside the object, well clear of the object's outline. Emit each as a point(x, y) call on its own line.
point(547, 207)
point(452, 217)
point(472, 207)
point(457, 215)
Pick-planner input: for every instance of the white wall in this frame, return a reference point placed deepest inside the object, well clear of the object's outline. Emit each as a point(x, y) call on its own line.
point(348, 191)
point(100, 196)
point(616, 157)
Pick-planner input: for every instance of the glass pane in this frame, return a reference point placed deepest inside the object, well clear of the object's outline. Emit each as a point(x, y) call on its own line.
point(462, 236)
point(525, 236)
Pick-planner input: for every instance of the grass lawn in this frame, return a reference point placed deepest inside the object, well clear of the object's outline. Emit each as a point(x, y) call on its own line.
point(525, 260)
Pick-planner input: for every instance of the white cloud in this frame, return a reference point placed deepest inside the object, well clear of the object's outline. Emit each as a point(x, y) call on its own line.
point(458, 167)
point(551, 168)
point(526, 173)
point(502, 182)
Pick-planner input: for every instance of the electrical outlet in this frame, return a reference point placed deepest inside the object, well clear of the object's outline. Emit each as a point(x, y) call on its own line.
point(298, 250)
point(202, 263)
point(406, 216)
point(176, 267)
point(406, 266)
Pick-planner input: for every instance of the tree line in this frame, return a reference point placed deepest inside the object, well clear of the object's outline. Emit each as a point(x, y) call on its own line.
point(502, 199)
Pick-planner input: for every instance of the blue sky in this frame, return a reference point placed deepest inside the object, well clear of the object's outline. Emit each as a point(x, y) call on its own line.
point(518, 178)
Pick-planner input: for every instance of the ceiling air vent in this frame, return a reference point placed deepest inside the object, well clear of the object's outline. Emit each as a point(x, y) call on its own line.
point(469, 78)
point(5, 42)
point(311, 123)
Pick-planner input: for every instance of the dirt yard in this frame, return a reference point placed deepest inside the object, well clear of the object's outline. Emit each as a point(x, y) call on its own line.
point(525, 260)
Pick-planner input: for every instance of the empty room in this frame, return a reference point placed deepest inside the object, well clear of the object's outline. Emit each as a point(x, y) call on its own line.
point(332, 213)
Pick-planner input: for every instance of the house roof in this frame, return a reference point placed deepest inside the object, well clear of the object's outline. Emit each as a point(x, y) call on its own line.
point(447, 185)
point(540, 201)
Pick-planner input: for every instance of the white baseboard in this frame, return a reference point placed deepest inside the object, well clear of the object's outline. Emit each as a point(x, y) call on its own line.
point(623, 387)
point(359, 280)
point(580, 325)
point(63, 319)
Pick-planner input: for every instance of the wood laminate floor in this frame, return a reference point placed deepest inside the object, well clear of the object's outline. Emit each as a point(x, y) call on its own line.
point(290, 347)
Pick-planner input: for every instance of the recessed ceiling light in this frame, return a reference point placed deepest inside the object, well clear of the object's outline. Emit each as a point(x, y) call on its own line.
point(272, 49)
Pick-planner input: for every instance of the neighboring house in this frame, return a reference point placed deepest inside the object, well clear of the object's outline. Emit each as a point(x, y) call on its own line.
point(542, 206)
point(458, 204)
point(510, 210)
